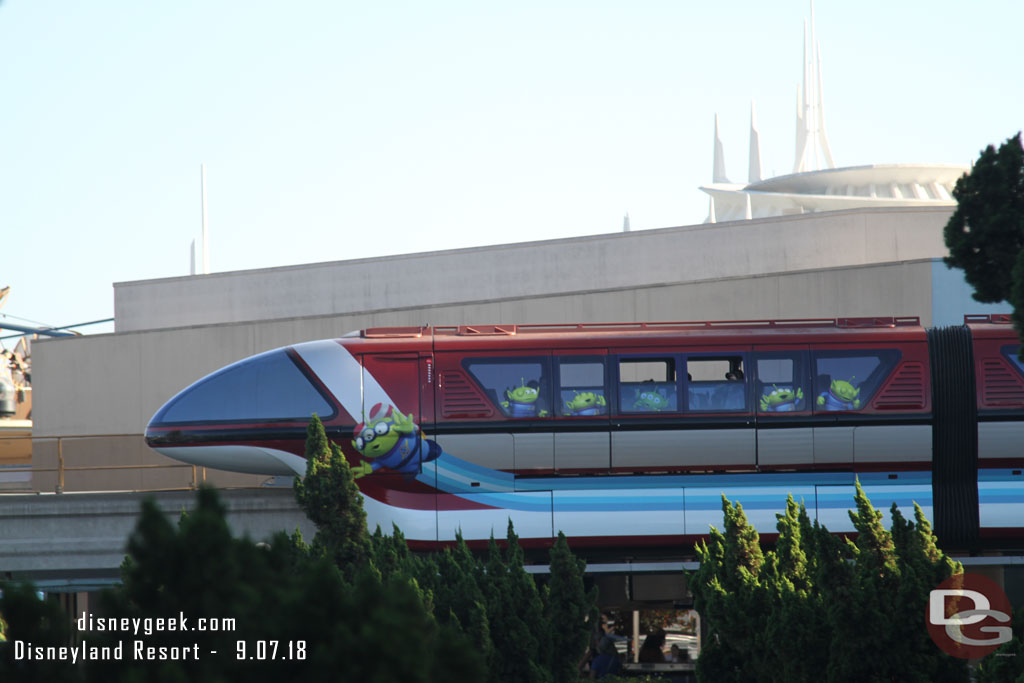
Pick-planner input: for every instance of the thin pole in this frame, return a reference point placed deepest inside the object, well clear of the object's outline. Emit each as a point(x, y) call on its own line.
point(206, 243)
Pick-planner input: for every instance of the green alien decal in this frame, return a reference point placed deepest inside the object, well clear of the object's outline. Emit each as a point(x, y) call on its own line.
point(522, 400)
point(586, 403)
point(782, 400)
point(650, 401)
point(841, 395)
point(388, 438)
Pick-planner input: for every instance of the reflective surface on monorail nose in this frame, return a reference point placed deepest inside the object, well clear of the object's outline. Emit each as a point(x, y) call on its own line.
point(269, 387)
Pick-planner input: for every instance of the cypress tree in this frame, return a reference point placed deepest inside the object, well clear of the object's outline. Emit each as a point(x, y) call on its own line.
point(820, 606)
point(41, 623)
point(567, 609)
point(458, 598)
point(727, 595)
point(922, 567)
point(330, 498)
point(516, 617)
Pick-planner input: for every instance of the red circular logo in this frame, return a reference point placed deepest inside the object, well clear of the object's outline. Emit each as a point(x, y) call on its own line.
point(968, 616)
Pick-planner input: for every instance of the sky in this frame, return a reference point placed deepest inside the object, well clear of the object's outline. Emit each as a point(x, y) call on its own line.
point(335, 130)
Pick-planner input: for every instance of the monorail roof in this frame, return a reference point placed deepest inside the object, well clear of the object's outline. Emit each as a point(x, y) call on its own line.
point(723, 332)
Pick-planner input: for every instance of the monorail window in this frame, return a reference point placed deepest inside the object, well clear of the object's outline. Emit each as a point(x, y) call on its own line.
point(581, 387)
point(648, 385)
point(269, 386)
point(781, 384)
point(519, 387)
point(716, 383)
point(847, 380)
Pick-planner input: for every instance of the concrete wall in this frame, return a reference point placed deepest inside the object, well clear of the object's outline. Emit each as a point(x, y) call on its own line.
point(85, 535)
point(615, 261)
point(952, 297)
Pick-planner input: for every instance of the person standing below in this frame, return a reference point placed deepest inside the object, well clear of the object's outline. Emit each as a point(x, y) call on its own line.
point(606, 663)
point(650, 651)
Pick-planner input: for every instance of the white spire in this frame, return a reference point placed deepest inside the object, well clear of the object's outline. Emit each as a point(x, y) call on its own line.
point(812, 148)
point(206, 241)
point(718, 175)
point(801, 124)
point(625, 223)
point(821, 113)
point(754, 167)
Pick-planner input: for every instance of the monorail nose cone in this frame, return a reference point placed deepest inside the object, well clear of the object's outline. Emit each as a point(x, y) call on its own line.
point(246, 417)
point(267, 388)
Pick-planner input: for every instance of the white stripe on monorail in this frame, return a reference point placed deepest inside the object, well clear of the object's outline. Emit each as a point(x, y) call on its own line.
point(343, 376)
point(670, 567)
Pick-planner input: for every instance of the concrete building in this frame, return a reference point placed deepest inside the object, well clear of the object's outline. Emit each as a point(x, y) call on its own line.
point(95, 394)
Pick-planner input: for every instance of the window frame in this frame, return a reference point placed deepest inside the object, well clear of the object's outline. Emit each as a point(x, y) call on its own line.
point(576, 358)
point(801, 378)
point(875, 381)
point(673, 357)
point(544, 402)
point(727, 355)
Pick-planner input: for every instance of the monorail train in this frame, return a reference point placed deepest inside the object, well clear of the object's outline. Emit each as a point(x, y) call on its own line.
point(627, 435)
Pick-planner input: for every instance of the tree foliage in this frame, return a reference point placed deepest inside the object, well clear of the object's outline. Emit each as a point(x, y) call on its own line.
point(489, 604)
point(821, 607)
point(363, 607)
point(329, 496)
point(38, 622)
point(985, 235)
point(1006, 663)
point(569, 610)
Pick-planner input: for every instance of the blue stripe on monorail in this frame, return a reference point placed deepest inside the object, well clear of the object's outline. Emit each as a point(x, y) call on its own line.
point(822, 492)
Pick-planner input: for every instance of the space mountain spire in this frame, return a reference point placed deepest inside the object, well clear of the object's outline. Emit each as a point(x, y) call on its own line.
point(812, 149)
point(718, 173)
point(754, 166)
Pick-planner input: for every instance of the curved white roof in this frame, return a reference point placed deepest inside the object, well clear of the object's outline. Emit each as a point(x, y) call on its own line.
point(836, 188)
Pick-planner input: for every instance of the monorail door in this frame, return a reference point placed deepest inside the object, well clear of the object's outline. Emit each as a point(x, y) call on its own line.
point(783, 400)
point(582, 403)
point(398, 381)
point(393, 379)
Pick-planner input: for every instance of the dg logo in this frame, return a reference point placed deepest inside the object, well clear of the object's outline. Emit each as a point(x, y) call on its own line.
point(968, 616)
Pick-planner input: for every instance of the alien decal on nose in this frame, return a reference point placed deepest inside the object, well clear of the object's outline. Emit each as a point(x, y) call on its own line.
point(390, 439)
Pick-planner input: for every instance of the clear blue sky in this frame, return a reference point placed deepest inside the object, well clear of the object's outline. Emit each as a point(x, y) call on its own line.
point(335, 130)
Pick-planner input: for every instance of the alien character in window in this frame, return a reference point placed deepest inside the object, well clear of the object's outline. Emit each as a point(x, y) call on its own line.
point(586, 403)
point(650, 400)
point(841, 395)
point(522, 400)
point(392, 440)
point(782, 400)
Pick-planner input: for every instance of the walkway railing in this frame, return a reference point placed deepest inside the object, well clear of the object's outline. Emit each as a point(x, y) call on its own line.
point(198, 473)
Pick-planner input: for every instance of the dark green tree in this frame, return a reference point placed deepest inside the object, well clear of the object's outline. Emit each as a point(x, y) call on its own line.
point(330, 498)
point(795, 632)
point(35, 623)
point(568, 608)
point(866, 602)
point(818, 606)
point(518, 629)
point(370, 628)
point(1006, 663)
point(985, 235)
point(727, 595)
point(459, 598)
